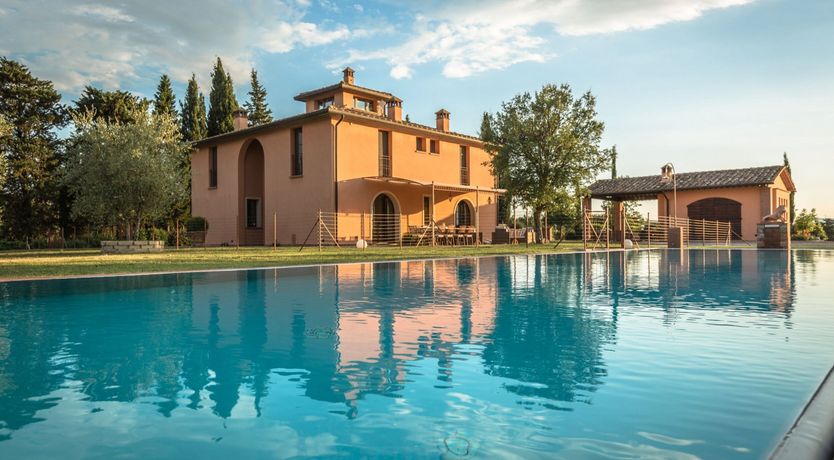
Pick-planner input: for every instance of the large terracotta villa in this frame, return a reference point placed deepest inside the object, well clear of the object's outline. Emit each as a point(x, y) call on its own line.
point(350, 153)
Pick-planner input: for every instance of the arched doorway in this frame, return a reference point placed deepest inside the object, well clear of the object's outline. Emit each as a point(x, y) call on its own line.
point(251, 190)
point(720, 209)
point(463, 214)
point(386, 221)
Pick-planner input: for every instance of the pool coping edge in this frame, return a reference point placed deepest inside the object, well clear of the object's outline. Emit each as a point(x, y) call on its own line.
point(812, 434)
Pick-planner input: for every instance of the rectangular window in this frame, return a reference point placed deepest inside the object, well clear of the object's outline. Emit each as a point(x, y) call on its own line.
point(464, 165)
point(421, 144)
point(324, 103)
point(213, 167)
point(426, 211)
point(434, 146)
point(384, 154)
point(364, 104)
point(253, 213)
point(297, 152)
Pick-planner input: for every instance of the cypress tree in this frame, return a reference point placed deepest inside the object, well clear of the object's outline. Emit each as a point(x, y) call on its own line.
point(164, 102)
point(614, 162)
point(222, 102)
point(193, 108)
point(256, 106)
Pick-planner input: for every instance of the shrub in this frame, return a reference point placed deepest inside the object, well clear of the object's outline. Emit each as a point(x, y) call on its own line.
point(196, 224)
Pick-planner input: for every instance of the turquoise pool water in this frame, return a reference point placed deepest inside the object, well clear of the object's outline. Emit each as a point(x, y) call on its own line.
point(708, 354)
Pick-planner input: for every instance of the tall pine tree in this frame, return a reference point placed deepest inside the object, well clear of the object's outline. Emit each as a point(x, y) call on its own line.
point(164, 102)
point(256, 106)
point(222, 102)
point(114, 106)
point(193, 108)
point(30, 194)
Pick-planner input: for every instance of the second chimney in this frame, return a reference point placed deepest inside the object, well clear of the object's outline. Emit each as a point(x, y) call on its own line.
point(395, 109)
point(442, 120)
point(241, 119)
point(348, 75)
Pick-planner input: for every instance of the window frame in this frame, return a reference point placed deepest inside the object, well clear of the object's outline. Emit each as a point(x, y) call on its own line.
point(420, 144)
point(325, 103)
point(369, 104)
point(427, 217)
point(385, 154)
point(297, 152)
point(213, 167)
point(434, 146)
point(258, 213)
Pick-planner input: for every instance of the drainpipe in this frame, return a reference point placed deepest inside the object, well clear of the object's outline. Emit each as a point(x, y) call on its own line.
point(336, 164)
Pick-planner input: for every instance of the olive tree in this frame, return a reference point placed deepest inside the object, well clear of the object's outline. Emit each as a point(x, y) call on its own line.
point(125, 174)
point(546, 145)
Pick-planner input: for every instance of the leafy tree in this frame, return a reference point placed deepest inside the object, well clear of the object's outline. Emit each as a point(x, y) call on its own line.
point(222, 102)
point(828, 227)
point(256, 106)
point(164, 102)
point(125, 174)
point(33, 112)
point(546, 143)
point(116, 106)
point(792, 197)
point(5, 130)
point(807, 226)
point(487, 135)
point(193, 110)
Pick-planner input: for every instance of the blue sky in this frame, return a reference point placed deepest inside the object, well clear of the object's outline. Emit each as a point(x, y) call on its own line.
point(706, 84)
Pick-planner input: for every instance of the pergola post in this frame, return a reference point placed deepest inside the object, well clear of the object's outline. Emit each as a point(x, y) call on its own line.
point(619, 222)
point(431, 218)
point(477, 215)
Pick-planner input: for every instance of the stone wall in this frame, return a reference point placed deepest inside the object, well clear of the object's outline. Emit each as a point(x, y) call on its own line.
point(131, 247)
point(772, 235)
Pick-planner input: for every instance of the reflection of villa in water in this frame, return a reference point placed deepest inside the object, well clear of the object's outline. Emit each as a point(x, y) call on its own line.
point(343, 332)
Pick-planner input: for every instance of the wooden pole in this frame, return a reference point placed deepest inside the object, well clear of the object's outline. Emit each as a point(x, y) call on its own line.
point(431, 220)
point(477, 215)
point(177, 230)
point(320, 230)
point(274, 230)
point(649, 227)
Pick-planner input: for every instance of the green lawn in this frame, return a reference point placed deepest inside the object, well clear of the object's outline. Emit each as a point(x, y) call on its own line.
point(75, 262)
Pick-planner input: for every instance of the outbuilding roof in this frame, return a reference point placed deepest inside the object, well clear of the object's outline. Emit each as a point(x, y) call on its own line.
point(644, 187)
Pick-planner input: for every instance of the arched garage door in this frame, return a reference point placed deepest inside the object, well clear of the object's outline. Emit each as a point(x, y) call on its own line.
point(720, 209)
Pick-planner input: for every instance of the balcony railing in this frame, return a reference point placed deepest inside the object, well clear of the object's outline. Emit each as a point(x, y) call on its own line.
point(384, 166)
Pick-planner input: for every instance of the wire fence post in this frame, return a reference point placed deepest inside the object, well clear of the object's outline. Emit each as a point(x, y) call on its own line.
point(274, 230)
point(320, 223)
point(177, 230)
point(649, 227)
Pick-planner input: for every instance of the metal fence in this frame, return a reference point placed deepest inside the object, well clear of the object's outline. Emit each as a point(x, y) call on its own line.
point(599, 230)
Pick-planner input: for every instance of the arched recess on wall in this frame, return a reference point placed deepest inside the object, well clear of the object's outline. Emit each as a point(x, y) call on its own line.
point(251, 193)
point(717, 208)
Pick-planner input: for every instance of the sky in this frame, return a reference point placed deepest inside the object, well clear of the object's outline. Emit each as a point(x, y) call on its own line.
point(704, 84)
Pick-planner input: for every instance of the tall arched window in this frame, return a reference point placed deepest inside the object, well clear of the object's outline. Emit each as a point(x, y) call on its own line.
point(463, 214)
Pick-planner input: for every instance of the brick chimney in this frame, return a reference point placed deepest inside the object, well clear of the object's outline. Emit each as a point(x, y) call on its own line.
point(348, 75)
point(241, 119)
point(395, 109)
point(442, 120)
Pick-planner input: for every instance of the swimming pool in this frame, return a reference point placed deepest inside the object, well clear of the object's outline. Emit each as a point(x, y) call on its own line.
point(646, 354)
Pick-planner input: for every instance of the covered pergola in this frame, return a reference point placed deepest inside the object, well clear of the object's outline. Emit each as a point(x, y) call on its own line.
point(738, 196)
point(432, 188)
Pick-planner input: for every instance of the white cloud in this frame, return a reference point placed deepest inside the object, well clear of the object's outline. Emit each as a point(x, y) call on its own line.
point(285, 36)
point(107, 13)
point(80, 43)
point(473, 36)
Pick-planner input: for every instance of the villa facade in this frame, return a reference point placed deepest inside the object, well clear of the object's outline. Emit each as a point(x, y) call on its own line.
point(351, 156)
